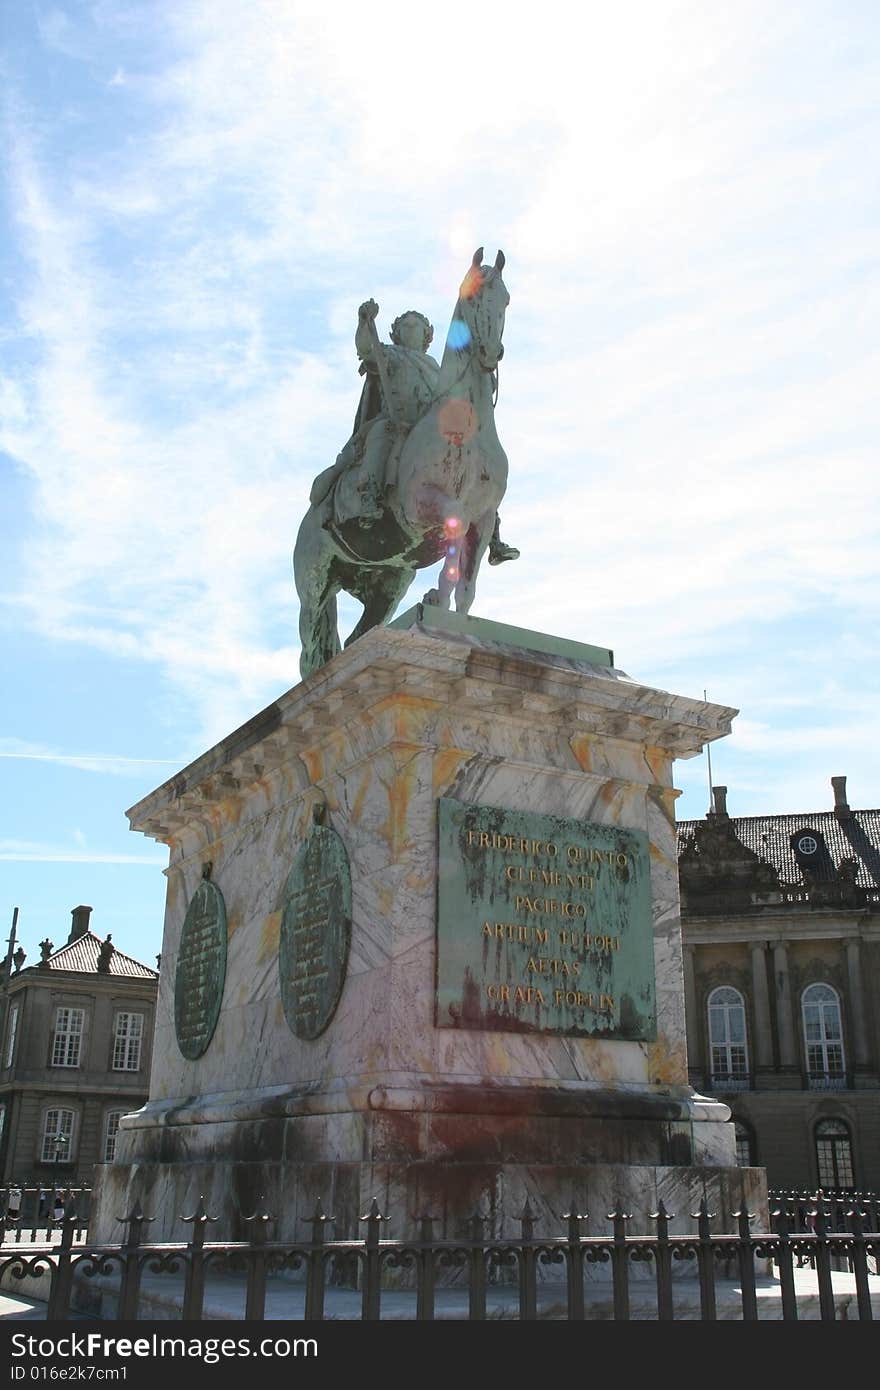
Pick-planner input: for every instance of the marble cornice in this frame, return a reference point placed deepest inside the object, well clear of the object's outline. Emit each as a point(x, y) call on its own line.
point(779, 930)
point(416, 1094)
point(459, 676)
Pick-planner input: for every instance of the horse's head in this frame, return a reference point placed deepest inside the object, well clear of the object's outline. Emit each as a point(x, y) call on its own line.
point(482, 303)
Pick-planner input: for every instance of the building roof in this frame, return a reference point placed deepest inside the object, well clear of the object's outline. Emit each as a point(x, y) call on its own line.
point(855, 837)
point(82, 954)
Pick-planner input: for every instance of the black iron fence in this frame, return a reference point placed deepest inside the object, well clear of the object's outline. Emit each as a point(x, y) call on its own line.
point(572, 1260)
point(29, 1212)
point(837, 1204)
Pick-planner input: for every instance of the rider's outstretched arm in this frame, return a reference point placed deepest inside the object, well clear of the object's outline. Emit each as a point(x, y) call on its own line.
point(364, 338)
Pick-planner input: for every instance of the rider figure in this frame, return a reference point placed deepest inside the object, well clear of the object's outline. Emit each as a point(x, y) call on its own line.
point(408, 375)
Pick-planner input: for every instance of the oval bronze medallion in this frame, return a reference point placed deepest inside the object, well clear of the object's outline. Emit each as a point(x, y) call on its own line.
point(201, 970)
point(315, 933)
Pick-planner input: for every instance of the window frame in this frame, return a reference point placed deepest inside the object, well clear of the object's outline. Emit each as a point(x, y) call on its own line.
point(824, 1076)
point(11, 1034)
point(127, 1040)
point(45, 1137)
point(735, 1074)
point(837, 1140)
point(109, 1116)
point(70, 1034)
point(744, 1134)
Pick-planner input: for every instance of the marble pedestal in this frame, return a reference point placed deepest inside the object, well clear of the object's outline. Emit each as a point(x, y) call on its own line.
point(383, 1103)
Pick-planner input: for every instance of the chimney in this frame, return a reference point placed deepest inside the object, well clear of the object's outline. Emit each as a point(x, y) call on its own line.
point(80, 923)
point(719, 801)
point(841, 808)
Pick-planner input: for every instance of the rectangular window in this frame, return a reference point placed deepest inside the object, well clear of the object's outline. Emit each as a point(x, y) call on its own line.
point(57, 1137)
point(834, 1053)
point(10, 1036)
point(110, 1132)
point(127, 1042)
point(68, 1037)
point(729, 1061)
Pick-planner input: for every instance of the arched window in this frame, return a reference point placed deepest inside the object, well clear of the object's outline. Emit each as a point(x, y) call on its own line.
point(58, 1138)
point(728, 1051)
point(834, 1164)
point(823, 1038)
point(111, 1129)
point(745, 1145)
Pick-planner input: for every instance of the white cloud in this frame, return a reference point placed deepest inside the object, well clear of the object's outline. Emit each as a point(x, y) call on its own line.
point(689, 389)
point(85, 762)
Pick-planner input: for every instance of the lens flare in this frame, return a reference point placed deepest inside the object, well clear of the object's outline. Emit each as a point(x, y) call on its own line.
point(452, 527)
point(472, 283)
point(459, 334)
point(457, 422)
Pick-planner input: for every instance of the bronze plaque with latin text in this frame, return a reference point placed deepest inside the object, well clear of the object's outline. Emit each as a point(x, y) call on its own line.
point(315, 933)
point(543, 924)
point(201, 970)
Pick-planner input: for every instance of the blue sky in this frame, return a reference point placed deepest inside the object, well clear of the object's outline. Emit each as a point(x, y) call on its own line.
point(198, 195)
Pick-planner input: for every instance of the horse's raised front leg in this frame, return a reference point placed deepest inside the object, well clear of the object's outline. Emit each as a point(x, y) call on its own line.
point(472, 550)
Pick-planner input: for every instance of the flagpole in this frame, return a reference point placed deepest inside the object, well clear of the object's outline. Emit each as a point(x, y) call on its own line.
point(709, 761)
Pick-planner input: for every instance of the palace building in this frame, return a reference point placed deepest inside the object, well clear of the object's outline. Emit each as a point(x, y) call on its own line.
point(781, 934)
point(77, 1033)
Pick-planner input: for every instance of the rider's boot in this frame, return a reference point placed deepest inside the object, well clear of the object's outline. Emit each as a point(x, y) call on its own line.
point(499, 551)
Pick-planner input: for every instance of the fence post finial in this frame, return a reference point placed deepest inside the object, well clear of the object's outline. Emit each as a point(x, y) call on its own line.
point(259, 1221)
point(526, 1219)
point(135, 1221)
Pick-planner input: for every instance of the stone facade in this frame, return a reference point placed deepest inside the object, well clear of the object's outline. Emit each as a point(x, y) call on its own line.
point(77, 1048)
point(781, 931)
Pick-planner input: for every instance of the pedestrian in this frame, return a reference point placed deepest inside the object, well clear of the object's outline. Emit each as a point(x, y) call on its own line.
point(13, 1203)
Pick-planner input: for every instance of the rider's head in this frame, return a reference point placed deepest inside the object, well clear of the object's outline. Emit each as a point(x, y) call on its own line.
point(412, 330)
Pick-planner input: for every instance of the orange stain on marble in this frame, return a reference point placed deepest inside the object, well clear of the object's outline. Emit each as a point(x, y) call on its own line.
point(231, 809)
point(400, 790)
point(582, 747)
point(609, 792)
point(497, 1057)
point(409, 714)
point(667, 1063)
point(666, 800)
point(418, 882)
point(314, 761)
point(658, 761)
point(360, 795)
point(334, 748)
point(270, 936)
point(602, 1065)
point(447, 761)
point(233, 922)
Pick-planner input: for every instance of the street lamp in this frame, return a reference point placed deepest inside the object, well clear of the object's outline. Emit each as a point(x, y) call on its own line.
point(61, 1148)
